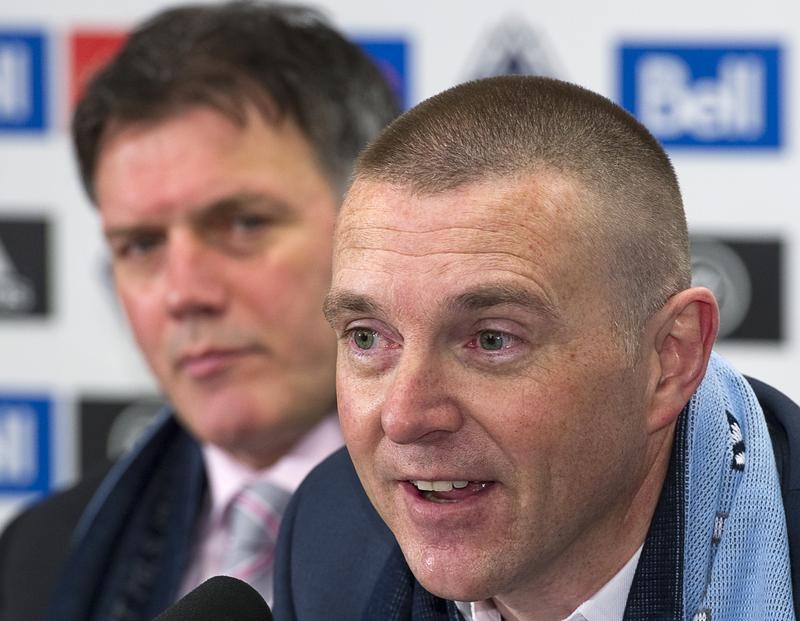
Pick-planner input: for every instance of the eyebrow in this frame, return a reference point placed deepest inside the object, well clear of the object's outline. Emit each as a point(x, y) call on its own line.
point(338, 303)
point(242, 200)
point(487, 296)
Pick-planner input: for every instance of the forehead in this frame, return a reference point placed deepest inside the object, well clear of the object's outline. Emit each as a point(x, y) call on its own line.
point(508, 215)
point(196, 156)
point(523, 232)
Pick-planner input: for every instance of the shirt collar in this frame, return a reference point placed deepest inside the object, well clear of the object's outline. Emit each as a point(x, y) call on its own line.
point(227, 476)
point(608, 604)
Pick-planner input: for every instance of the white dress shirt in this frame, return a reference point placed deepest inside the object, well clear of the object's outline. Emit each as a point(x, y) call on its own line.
point(608, 604)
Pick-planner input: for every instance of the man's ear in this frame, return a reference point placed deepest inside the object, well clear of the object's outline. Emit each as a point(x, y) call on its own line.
point(683, 333)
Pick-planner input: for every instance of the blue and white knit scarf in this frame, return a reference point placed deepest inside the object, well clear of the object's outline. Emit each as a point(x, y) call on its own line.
point(717, 549)
point(736, 559)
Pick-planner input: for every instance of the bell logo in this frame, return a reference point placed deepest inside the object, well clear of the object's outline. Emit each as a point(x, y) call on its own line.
point(14, 72)
point(708, 109)
point(24, 445)
point(22, 59)
point(704, 96)
point(391, 57)
point(17, 436)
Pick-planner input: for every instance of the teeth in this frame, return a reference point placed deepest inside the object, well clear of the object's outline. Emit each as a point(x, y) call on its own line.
point(439, 486)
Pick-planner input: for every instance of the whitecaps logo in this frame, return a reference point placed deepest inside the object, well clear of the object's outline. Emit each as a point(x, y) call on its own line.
point(513, 47)
point(16, 291)
point(22, 81)
point(24, 268)
point(705, 95)
point(719, 268)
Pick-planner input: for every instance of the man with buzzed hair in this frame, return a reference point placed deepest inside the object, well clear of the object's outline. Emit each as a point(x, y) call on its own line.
point(526, 385)
point(216, 147)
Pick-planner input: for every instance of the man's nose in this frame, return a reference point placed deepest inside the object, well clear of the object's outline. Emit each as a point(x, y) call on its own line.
point(419, 404)
point(194, 281)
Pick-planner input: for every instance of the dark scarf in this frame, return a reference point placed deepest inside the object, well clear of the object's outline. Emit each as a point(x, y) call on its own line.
point(130, 550)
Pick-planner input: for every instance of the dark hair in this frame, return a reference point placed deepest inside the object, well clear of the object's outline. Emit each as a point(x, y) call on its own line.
point(510, 126)
point(284, 59)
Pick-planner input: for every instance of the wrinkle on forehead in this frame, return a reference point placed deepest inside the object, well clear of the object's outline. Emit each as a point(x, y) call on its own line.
point(508, 218)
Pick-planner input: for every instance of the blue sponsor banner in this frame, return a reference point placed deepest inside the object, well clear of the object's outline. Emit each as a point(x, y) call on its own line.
point(23, 103)
point(391, 56)
point(698, 96)
point(25, 444)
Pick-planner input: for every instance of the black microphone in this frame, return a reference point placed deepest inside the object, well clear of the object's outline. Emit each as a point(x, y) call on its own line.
point(220, 598)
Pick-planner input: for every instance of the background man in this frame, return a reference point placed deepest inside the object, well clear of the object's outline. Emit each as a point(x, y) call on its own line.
point(526, 384)
point(216, 146)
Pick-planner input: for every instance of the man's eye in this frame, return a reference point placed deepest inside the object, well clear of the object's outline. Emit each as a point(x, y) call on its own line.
point(236, 231)
point(364, 339)
point(136, 247)
point(249, 222)
point(492, 341)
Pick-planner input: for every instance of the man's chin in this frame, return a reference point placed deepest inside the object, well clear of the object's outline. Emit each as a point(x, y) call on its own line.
point(454, 588)
point(450, 577)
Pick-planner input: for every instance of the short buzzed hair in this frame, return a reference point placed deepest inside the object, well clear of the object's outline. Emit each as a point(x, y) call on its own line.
point(514, 125)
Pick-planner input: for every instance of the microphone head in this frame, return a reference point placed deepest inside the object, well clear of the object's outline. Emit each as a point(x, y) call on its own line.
point(220, 598)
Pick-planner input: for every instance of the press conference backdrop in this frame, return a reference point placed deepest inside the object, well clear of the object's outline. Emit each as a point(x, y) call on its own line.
point(716, 81)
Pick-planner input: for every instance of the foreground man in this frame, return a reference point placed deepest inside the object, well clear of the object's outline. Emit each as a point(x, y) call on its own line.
point(216, 147)
point(526, 385)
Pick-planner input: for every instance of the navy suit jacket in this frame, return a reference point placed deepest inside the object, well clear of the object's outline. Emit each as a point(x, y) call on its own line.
point(330, 518)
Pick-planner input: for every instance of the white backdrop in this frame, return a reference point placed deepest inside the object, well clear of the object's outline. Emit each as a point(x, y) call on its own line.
point(738, 185)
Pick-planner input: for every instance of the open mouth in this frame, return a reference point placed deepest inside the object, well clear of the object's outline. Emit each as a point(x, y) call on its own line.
point(449, 491)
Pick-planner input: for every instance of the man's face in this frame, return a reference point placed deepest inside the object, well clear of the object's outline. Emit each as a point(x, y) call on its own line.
point(476, 358)
point(221, 239)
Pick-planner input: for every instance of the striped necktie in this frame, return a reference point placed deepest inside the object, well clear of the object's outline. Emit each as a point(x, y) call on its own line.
point(254, 517)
